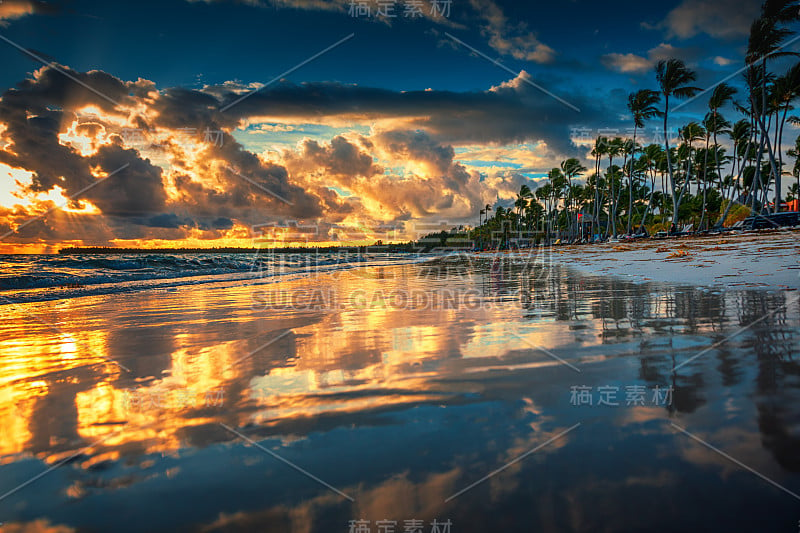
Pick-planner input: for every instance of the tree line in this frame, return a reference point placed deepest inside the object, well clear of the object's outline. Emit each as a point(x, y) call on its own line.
point(719, 170)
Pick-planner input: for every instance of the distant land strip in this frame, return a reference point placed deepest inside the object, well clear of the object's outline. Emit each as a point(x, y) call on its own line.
point(385, 248)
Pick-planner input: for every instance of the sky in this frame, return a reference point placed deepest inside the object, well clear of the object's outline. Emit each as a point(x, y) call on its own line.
point(224, 123)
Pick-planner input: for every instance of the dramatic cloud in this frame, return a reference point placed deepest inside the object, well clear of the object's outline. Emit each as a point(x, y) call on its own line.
point(175, 171)
point(515, 111)
point(426, 180)
point(69, 137)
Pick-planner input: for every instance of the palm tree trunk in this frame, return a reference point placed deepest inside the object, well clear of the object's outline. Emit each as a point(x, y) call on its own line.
point(779, 178)
point(675, 200)
point(705, 182)
point(650, 200)
point(716, 164)
point(630, 181)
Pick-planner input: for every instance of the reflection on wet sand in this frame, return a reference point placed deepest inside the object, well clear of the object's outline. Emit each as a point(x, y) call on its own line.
point(400, 402)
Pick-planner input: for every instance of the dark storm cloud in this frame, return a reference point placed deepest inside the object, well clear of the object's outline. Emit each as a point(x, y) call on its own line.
point(69, 89)
point(249, 181)
point(135, 189)
point(166, 220)
point(513, 112)
point(180, 108)
point(340, 157)
point(34, 115)
point(36, 112)
point(33, 134)
point(419, 146)
point(348, 164)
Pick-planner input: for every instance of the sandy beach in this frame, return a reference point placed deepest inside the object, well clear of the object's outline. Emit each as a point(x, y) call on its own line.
point(769, 260)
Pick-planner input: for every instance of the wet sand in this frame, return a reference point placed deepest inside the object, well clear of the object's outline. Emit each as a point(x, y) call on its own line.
point(456, 390)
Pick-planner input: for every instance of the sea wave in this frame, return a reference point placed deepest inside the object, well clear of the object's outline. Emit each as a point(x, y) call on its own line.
point(46, 277)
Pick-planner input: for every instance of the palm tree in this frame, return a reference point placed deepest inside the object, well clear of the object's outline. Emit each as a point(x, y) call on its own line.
point(558, 184)
point(614, 148)
point(642, 105)
point(714, 123)
point(741, 135)
point(766, 41)
point(723, 93)
point(600, 149)
point(689, 134)
point(652, 156)
point(785, 89)
point(524, 201)
point(627, 161)
point(571, 168)
point(520, 203)
point(484, 211)
point(795, 152)
point(673, 78)
point(545, 194)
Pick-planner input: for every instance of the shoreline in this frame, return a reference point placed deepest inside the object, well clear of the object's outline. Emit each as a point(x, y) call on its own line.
point(758, 260)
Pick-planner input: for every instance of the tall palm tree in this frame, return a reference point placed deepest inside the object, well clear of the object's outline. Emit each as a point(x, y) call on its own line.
point(558, 184)
point(600, 149)
point(766, 41)
point(545, 194)
point(673, 78)
point(642, 105)
point(614, 148)
point(741, 135)
point(795, 152)
point(785, 89)
point(652, 156)
point(627, 149)
point(521, 204)
point(714, 124)
point(723, 93)
point(571, 168)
